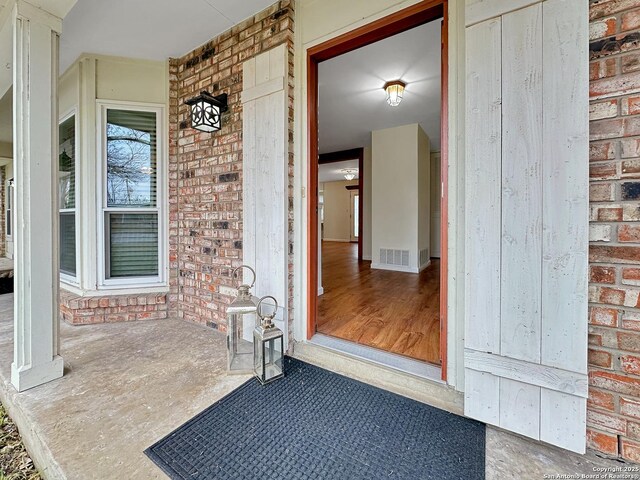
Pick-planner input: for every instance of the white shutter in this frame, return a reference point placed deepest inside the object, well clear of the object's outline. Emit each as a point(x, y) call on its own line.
point(526, 217)
point(265, 174)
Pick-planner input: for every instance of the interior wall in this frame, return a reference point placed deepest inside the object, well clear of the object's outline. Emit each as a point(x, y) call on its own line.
point(436, 196)
point(424, 199)
point(6, 150)
point(366, 205)
point(9, 239)
point(397, 201)
point(337, 211)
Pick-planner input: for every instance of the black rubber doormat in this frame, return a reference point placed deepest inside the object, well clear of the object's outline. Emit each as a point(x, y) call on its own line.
point(315, 424)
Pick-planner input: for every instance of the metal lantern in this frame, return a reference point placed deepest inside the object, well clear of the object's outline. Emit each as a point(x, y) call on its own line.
point(241, 320)
point(206, 111)
point(268, 346)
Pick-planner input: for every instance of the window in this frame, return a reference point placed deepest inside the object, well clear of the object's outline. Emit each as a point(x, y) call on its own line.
point(130, 210)
point(67, 195)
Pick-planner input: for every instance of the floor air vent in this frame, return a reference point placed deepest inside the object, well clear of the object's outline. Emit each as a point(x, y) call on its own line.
point(394, 257)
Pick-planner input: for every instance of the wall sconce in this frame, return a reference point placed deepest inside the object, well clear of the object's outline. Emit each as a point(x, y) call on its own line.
point(349, 173)
point(206, 111)
point(395, 90)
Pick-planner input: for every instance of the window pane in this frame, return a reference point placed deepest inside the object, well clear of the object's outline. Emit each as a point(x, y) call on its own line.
point(67, 164)
point(133, 244)
point(68, 243)
point(131, 158)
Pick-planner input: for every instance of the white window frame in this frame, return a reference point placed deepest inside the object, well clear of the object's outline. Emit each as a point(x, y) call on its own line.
point(65, 277)
point(161, 208)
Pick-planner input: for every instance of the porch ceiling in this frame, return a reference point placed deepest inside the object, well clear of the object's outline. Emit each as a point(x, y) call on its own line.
point(148, 29)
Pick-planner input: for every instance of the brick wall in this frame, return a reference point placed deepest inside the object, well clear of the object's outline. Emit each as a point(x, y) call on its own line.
point(78, 310)
point(613, 415)
point(205, 170)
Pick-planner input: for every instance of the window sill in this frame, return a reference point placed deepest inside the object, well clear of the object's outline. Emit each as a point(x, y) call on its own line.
point(113, 290)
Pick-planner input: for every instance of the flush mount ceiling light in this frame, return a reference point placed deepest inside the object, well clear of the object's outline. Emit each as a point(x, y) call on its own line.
point(349, 173)
point(395, 90)
point(206, 111)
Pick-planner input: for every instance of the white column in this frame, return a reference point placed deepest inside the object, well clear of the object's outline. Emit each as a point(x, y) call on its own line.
point(35, 146)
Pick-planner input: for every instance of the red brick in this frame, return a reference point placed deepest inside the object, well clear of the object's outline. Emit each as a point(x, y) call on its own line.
point(625, 84)
point(629, 341)
point(611, 254)
point(630, 364)
point(631, 169)
point(603, 442)
point(629, 233)
point(602, 28)
point(601, 400)
point(599, 358)
point(601, 192)
point(630, 106)
point(612, 296)
point(630, 450)
point(615, 382)
point(603, 171)
point(607, 317)
point(630, 63)
point(605, 129)
point(601, 151)
point(630, 147)
point(630, 21)
point(631, 276)
point(601, 110)
point(595, 339)
point(606, 421)
point(602, 8)
point(599, 274)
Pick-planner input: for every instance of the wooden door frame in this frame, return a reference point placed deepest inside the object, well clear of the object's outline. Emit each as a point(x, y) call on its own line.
point(341, 156)
point(406, 19)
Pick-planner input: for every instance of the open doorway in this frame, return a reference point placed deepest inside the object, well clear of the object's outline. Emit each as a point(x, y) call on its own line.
point(377, 240)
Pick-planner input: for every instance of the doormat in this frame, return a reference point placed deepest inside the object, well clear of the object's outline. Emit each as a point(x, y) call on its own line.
point(315, 424)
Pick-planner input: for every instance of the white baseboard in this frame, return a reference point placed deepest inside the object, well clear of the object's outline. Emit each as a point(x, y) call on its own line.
point(394, 268)
point(425, 265)
point(320, 291)
point(336, 240)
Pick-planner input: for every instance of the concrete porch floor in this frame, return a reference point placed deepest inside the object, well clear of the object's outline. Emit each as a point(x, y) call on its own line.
point(126, 385)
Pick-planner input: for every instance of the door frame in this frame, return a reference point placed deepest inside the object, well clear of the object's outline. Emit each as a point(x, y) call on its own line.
point(341, 156)
point(423, 12)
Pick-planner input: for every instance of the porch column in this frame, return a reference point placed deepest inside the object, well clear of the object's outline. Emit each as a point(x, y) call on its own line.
point(35, 139)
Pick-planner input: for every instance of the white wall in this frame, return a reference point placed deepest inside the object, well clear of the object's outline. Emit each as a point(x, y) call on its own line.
point(366, 205)
point(424, 199)
point(6, 150)
point(400, 194)
point(337, 211)
point(436, 195)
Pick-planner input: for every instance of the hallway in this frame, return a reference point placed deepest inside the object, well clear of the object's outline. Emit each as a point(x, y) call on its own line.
point(393, 311)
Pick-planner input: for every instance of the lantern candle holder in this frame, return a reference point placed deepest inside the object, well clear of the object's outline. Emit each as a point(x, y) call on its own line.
point(241, 321)
point(268, 346)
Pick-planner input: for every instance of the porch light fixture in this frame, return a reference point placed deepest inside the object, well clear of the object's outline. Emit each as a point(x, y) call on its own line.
point(349, 173)
point(268, 346)
point(395, 90)
point(206, 111)
point(241, 321)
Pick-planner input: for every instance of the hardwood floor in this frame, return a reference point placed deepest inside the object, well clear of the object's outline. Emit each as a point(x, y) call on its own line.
point(393, 311)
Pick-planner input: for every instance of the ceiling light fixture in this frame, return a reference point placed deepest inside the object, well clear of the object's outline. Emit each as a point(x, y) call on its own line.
point(349, 173)
point(395, 90)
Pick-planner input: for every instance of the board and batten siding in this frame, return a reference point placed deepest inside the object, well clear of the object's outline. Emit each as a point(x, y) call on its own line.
point(265, 175)
point(527, 217)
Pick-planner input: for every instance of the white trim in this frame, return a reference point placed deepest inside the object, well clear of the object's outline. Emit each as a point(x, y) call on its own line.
point(161, 209)
point(380, 357)
point(72, 111)
point(121, 291)
point(394, 268)
point(341, 240)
